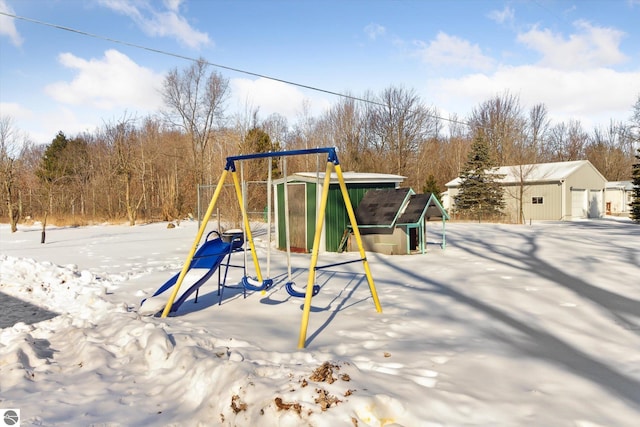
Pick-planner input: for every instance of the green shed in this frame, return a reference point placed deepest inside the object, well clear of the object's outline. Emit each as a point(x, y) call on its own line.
point(304, 190)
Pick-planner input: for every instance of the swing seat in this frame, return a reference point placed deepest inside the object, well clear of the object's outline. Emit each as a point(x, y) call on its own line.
point(255, 285)
point(294, 293)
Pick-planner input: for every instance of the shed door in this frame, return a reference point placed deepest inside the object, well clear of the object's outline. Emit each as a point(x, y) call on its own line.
point(297, 217)
point(578, 203)
point(595, 204)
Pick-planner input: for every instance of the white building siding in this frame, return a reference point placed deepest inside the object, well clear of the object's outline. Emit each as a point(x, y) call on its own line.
point(539, 201)
point(552, 191)
point(617, 197)
point(550, 207)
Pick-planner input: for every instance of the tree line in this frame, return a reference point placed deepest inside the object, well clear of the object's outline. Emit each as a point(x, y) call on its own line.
point(150, 168)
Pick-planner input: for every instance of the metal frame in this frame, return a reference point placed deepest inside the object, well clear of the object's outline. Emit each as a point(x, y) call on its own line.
point(332, 164)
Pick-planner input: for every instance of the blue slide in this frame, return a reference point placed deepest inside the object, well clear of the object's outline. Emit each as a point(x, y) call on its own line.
point(208, 257)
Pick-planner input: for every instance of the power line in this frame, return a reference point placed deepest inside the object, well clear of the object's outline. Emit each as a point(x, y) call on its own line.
point(225, 67)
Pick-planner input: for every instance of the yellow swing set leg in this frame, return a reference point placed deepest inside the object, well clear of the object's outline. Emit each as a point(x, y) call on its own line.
point(194, 247)
point(356, 233)
point(247, 228)
point(316, 246)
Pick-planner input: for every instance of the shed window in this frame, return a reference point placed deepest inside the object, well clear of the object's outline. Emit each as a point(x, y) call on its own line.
point(537, 200)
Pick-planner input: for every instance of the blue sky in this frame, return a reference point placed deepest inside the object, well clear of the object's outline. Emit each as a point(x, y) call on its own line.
point(580, 58)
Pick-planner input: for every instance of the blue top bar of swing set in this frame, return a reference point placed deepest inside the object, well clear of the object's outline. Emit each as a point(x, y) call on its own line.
point(332, 156)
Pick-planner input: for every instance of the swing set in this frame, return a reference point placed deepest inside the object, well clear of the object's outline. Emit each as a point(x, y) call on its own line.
point(259, 283)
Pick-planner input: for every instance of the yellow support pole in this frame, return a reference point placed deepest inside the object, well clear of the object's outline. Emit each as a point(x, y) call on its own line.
point(187, 263)
point(314, 257)
point(356, 233)
point(247, 228)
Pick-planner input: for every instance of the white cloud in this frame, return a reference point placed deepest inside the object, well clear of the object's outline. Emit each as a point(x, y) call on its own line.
point(114, 81)
point(448, 50)
point(43, 125)
point(373, 31)
point(502, 16)
point(15, 110)
point(62, 119)
point(574, 79)
point(590, 47)
point(7, 25)
point(271, 96)
point(581, 95)
point(157, 23)
point(173, 5)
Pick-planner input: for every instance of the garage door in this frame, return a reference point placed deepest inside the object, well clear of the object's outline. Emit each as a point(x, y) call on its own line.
point(578, 203)
point(595, 204)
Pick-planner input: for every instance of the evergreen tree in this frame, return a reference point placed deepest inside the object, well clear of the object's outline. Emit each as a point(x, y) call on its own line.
point(259, 141)
point(635, 198)
point(480, 194)
point(431, 186)
point(64, 160)
point(51, 166)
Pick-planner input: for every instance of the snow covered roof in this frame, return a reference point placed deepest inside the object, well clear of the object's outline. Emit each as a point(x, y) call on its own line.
point(620, 185)
point(349, 177)
point(538, 172)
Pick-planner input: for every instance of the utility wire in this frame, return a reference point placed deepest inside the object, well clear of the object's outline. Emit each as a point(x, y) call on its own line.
point(238, 70)
point(225, 67)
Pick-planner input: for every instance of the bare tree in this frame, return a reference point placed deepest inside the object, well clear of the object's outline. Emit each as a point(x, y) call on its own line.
point(399, 123)
point(305, 135)
point(104, 185)
point(195, 102)
point(151, 139)
point(29, 187)
point(171, 173)
point(501, 123)
point(454, 151)
point(10, 148)
point(429, 169)
point(538, 127)
point(345, 123)
point(610, 151)
point(127, 155)
point(277, 127)
point(566, 141)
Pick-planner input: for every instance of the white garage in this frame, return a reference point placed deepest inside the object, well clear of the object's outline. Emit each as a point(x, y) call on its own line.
point(548, 191)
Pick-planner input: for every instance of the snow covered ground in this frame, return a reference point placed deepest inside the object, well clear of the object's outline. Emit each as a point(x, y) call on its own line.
point(535, 325)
